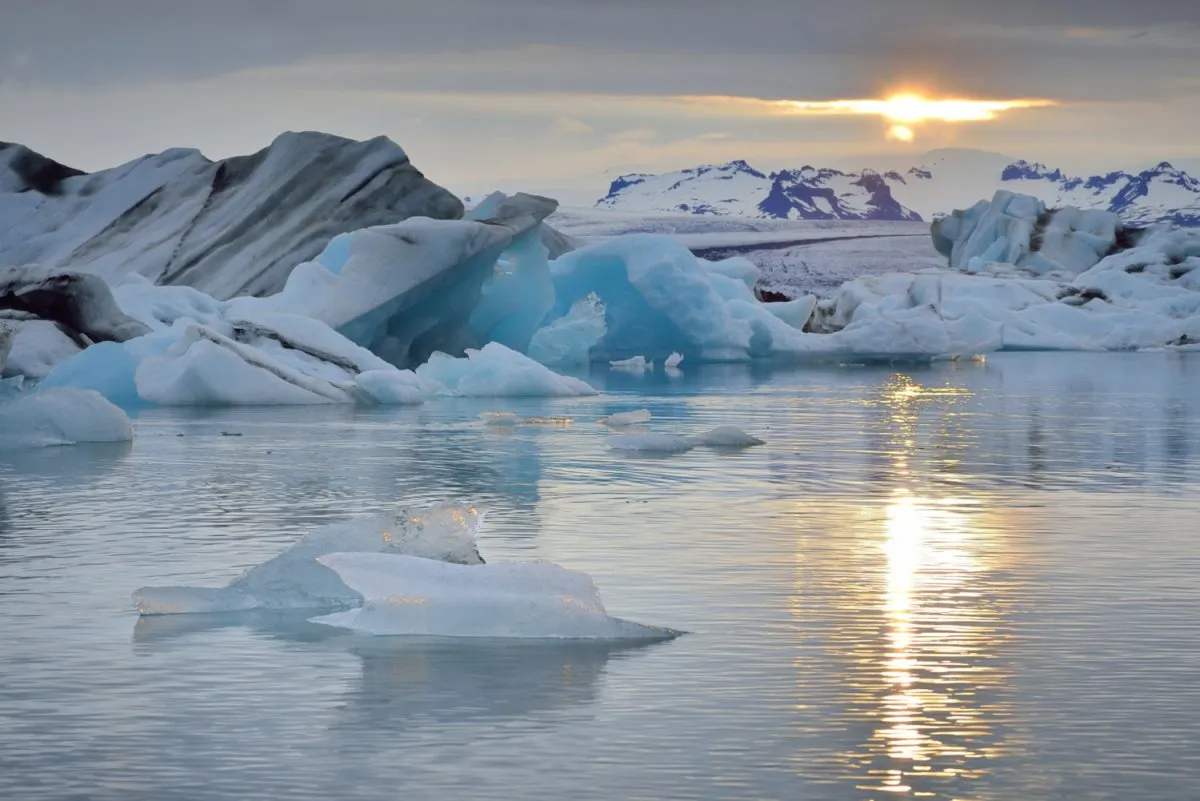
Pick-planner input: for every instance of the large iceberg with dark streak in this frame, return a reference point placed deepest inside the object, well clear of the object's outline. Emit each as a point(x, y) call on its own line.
point(227, 228)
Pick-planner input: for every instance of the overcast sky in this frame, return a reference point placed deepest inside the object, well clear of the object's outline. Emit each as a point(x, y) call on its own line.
point(564, 94)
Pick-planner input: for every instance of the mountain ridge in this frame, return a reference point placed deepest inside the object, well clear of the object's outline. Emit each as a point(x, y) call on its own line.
point(943, 182)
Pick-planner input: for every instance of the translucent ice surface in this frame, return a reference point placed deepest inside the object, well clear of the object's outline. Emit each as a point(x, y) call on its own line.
point(404, 595)
point(497, 371)
point(294, 579)
point(61, 416)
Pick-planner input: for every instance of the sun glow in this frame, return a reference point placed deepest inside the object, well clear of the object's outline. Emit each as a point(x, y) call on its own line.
point(903, 111)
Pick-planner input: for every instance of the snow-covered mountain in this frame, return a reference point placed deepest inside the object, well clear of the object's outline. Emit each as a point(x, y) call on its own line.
point(228, 227)
point(945, 180)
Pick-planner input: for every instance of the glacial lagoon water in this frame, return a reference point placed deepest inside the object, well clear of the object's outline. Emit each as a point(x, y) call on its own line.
point(958, 581)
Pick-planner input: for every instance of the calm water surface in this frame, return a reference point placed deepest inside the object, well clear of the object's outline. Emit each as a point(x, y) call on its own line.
point(950, 582)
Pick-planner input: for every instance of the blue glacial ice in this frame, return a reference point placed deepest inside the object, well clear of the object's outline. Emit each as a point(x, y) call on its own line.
point(494, 370)
point(60, 416)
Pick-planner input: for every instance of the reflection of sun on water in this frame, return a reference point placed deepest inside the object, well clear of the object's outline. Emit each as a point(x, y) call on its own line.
point(933, 705)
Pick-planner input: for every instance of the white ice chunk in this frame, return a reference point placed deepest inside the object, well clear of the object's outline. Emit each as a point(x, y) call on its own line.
point(38, 347)
point(207, 369)
point(727, 437)
point(673, 361)
point(61, 416)
point(394, 387)
point(496, 371)
point(634, 364)
point(404, 595)
point(622, 419)
point(651, 443)
point(294, 580)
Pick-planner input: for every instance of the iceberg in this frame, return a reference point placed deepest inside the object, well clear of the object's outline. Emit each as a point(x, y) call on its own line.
point(419, 286)
point(50, 417)
point(404, 595)
point(294, 579)
point(1025, 277)
point(496, 371)
point(227, 228)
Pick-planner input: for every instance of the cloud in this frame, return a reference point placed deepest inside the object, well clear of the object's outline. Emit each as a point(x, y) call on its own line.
point(570, 125)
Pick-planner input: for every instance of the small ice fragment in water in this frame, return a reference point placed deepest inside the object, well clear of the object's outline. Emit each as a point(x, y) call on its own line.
point(637, 364)
point(674, 360)
point(622, 419)
point(651, 443)
point(498, 418)
point(727, 437)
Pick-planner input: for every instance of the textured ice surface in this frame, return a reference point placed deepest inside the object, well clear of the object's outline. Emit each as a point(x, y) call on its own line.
point(404, 595)
point(38, 346)
point(1032, 279)
point(568, 341)
point(61, 416)
point(497, 371)
point(294, 579)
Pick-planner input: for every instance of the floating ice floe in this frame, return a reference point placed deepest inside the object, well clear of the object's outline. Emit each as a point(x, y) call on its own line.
point(415, 573)
point(50, 417)
point(723, 437)
point(623, 419)
point(495, 370)
point(651, 443)
point(634, 364)
point(403, 595)
point(294, 580)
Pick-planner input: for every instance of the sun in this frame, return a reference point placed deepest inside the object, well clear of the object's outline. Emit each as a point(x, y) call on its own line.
point(901, 133)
